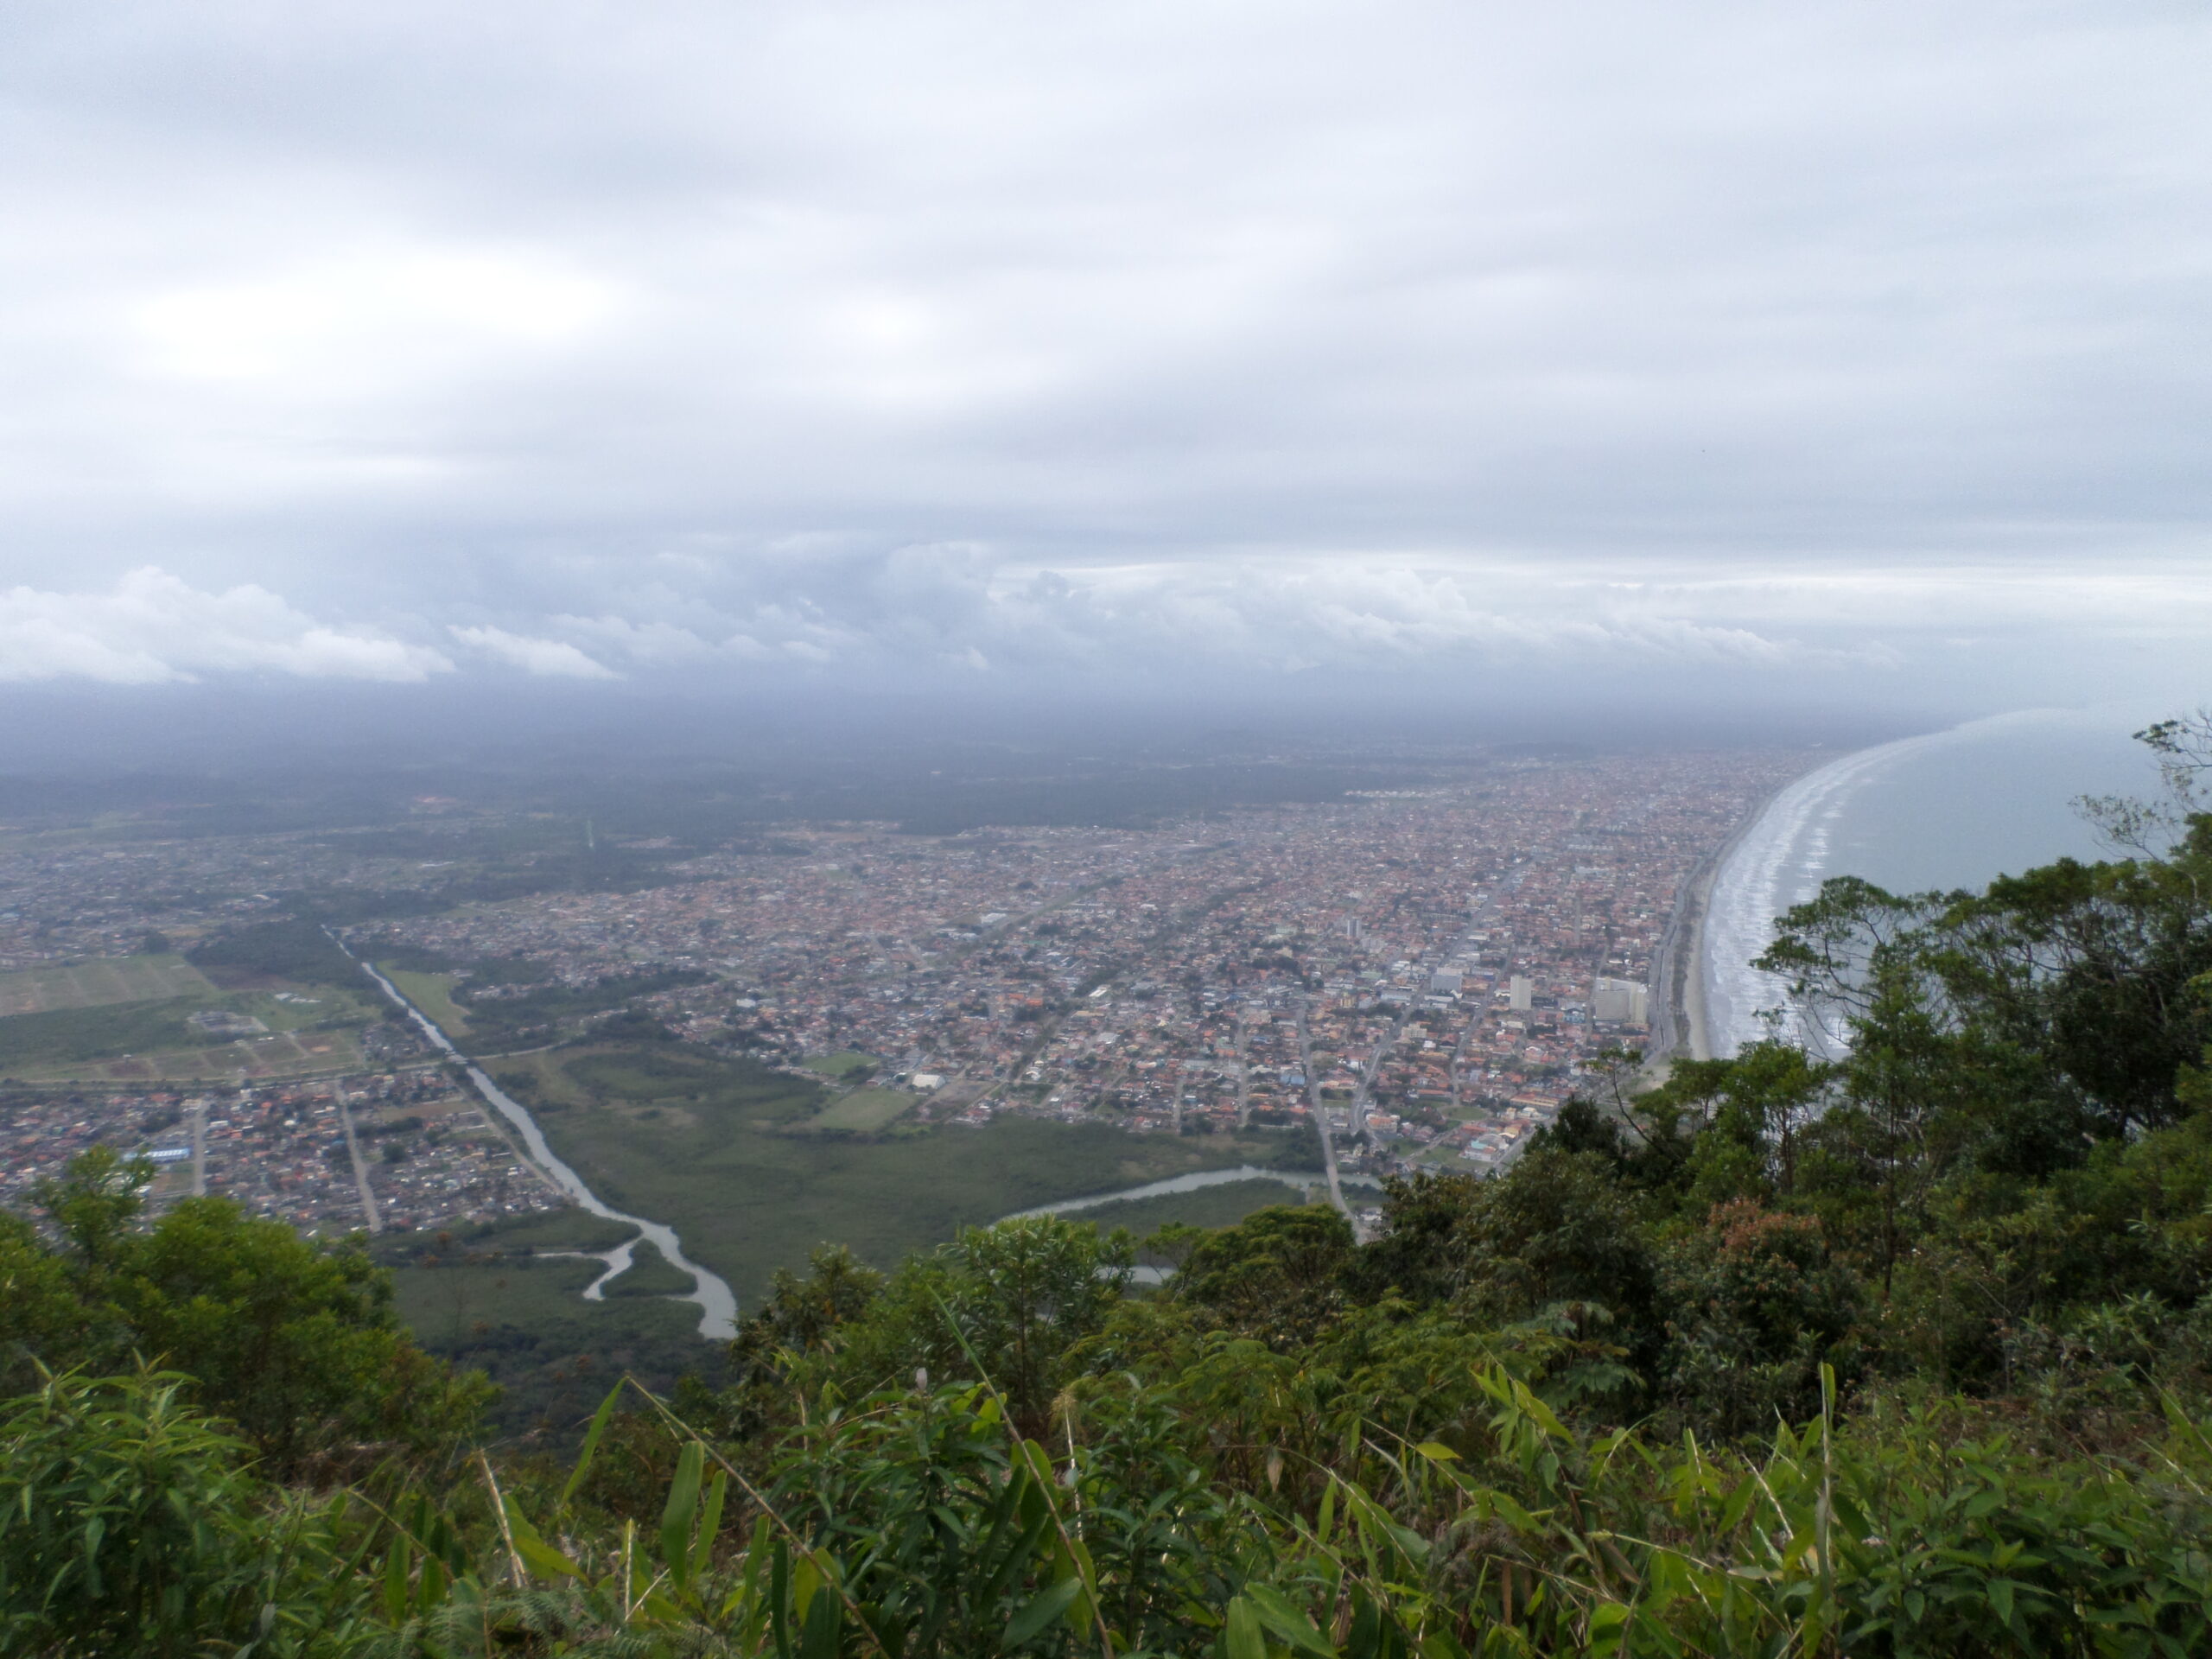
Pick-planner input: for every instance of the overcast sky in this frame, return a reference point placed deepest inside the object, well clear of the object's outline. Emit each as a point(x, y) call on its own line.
point(1858, 347)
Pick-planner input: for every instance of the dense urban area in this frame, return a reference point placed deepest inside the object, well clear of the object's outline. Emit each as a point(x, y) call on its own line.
point(1424, 974)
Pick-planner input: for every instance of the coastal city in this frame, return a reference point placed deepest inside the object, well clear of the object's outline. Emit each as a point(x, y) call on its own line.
point(1422, 975)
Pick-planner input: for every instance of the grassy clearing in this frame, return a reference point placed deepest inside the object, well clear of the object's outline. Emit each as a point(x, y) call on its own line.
point(102, 984)
point(299, 1007)
point(748, 1199)
point(433, 994)
point(864, 1110)
point(841, 1065)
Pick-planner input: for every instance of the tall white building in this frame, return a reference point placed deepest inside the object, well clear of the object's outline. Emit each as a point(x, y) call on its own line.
point(1520, 992)
point(1620, 1003)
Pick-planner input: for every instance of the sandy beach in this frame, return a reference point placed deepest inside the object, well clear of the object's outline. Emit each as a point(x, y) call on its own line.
point(1690, 1008)
point(1678, 979)
point(1677, 983)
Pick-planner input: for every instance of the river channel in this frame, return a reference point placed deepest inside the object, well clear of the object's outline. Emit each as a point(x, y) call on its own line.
point(716, 1301)
point(1298, 1181)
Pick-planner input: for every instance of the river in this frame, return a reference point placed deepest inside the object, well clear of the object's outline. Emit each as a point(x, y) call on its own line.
point(1191, 1182)
point(716, 1301)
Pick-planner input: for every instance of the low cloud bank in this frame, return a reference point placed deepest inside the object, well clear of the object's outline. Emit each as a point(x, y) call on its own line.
point(1981, 637)
point(152, 628)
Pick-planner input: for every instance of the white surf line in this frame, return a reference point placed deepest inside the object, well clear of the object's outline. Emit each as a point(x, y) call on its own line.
point(716, 1301)
point(1777, 863)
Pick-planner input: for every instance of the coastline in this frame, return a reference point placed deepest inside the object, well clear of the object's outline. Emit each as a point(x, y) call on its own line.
point(1691, 1015)
point(1788, 827)
point(1677, 984)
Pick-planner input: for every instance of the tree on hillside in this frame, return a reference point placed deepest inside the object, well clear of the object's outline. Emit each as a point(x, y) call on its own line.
point(293, 1341)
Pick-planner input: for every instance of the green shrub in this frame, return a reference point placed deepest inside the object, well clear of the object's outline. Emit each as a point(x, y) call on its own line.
point(130, 1524)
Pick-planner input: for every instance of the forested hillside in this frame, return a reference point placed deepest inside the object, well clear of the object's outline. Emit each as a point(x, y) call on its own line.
point(1903, 1352)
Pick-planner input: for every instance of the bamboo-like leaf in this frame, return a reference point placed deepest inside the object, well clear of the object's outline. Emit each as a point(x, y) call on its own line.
point(1292, 1626)
point(431, 1588)
point(1043, 1608)
point(779, 1586)
point(540, 1557)
point(806, 1584)
point(747, 1593)
point(711, 1524)
point(1240, 1631)
point(395, 1567)
point(1017, 1556)
point(599, 1420)
point(683, 1506)
point(1073, 1556)
point(825, 1620)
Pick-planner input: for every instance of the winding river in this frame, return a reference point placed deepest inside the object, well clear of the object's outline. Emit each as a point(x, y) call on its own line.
point(717, 1302)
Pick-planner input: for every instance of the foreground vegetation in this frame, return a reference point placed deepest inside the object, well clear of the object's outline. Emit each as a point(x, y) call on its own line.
point(1905, 1353)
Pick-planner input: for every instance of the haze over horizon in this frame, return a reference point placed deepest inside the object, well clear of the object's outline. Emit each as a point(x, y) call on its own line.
point(1728, 365)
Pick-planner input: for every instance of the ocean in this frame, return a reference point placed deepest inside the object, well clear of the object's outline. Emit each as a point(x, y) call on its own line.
point(1953, 809)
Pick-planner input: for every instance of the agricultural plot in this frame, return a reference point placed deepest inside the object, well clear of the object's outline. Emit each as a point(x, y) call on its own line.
point(157, 1017)
point(103, 983)
point(268, 1056)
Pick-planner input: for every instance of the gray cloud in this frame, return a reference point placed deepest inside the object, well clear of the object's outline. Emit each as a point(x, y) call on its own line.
point(971, 339)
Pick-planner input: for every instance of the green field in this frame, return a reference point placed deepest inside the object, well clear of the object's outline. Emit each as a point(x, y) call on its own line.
point(840, 1066)
point(102, 984)
point(125, 1020)
point(282, 1054)
point(864, 1110)
point(34, 1043)
point(433, 994)
point(704, 1145)
point(303, 1030)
